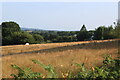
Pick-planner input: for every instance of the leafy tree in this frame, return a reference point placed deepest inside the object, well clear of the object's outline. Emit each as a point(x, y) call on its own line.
point(109, 33)
point(98, 35)
point(83, 35)
point(103, 32)
point(117, 29)
point(22, 38)
point(12, 34)
point(7, 40)
point(38, 38)
point(52, 37)
point(9, 27)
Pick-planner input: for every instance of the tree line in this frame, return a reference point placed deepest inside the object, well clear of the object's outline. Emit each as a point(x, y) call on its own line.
point(13, 35)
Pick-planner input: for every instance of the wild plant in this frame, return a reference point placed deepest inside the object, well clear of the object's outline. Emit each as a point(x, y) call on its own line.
point(110, 69)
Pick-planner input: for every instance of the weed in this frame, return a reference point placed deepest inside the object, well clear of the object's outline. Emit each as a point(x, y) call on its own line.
point(109, 70)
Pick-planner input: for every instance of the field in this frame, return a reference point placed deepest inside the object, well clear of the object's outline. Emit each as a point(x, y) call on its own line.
point(61, 55)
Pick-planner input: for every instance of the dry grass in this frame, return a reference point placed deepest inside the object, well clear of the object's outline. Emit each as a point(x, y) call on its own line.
point(34, 47)
point(61, 55)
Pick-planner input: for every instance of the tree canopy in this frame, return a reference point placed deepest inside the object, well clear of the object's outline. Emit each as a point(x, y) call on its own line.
point(12, 34)
point(83, 28)
point(83, 34)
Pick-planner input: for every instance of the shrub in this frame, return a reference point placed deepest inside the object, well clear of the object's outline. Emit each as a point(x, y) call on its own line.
point(28, 74)
point(109, 70)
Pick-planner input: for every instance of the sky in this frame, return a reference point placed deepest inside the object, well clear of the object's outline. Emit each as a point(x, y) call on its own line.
point(119, 10)
point(65, 16)
point(59, 0)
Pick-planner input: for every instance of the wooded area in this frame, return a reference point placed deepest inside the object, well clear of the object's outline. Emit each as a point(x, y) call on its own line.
point(13, 35)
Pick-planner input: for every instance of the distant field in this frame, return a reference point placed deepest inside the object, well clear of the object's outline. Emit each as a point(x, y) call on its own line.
point(60, 55)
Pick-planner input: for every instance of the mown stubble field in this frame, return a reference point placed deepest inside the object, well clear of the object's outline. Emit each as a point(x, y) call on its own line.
point(61, 55)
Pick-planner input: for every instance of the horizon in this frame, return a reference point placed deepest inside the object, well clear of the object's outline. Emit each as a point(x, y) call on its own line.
point(60, 16)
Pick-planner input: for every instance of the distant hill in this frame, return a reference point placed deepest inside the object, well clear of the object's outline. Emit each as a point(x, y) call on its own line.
point(34, 29)
point(30, 29)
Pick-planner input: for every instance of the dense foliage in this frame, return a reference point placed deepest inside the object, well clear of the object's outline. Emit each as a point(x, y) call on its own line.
point(83, 34)
point(12, 34)
point(109, 70)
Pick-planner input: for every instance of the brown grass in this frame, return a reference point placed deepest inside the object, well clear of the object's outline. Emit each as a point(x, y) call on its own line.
point(34, 47)
point(61, 55)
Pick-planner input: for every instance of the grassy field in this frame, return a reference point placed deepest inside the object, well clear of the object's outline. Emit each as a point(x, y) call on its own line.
point(61, 55)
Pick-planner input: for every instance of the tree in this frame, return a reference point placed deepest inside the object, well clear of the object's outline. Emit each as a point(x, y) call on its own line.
point(109, 33)
point(9, 27)
point(103, 33)
point(22, 38)
point(83, 28)
point(7, 40)
point(83, 34)
point(98, 35)
point(12, 34)
point(117, 29)
point(38, 38)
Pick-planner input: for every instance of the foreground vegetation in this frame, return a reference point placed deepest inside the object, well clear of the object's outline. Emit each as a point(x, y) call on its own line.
point(110, 69)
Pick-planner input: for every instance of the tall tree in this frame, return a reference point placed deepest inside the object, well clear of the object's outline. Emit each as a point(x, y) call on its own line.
point(117, 29)
point(98, 35)
point(12, 34)
point(83, 28)
point(83, 34)
point(8, 28)
point(108, 33)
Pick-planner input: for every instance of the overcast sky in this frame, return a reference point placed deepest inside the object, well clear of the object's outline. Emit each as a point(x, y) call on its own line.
point(60, 15)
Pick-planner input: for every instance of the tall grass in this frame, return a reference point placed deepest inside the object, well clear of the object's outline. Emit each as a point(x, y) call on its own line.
point(110, 69)
point(61, 58)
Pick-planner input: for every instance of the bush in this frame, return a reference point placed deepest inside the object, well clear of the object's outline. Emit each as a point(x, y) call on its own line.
point(109, 70)
point(28, 74)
